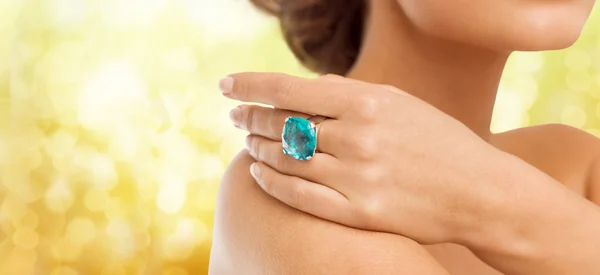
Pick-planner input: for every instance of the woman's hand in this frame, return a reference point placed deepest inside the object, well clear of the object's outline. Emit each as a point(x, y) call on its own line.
point(386, 160)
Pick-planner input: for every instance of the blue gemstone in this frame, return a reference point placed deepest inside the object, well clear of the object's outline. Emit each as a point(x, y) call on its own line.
point(299, 138)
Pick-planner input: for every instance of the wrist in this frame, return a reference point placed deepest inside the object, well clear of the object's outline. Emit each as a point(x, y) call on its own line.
point(501, 204)
point(528, 220)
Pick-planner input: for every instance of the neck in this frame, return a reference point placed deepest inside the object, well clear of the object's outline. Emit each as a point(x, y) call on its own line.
point(458, 79)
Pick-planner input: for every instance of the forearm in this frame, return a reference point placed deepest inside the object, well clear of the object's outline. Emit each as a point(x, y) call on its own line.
point(535, 225)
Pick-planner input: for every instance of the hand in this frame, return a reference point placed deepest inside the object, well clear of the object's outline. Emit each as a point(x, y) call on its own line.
point(386, 160)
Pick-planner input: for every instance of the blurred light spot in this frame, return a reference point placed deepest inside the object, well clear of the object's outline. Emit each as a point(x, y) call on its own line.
point(19, 261)
point(29, 220)
point(178, 249)
point(61, 144)
point(180, 59)
point(26, 189)
point(109, 97)
point(124, 144)
point(579, 80)
point(527, 88)
point(81, 231)
point(198, 117)
point(114, 270)
point(124, 243)
point(103, 171)
point(132, 13)
point(211, 168)
point(528, 62)
point(175, 271)
point(96, 200)
point(207, 199)
point(59, 196)
point(69, 13)
point(145, 240)
point(192, 231)
point(25, 238)
point(573, 115)
point(115, 209)
point(64, 270)
point(63, 250)
point(509, 112)
point(205, 13)
point(13, 208)
point(171, 196)
point(141, 219)
point(577, 59)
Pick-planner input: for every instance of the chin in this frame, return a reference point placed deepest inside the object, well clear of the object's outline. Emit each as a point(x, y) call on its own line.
point(550, 32)
point(508, 25)
point(545, 40)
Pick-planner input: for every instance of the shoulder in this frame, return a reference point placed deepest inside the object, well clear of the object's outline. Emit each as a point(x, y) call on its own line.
point(564, 152)
point(256, 234)
point(560, 135)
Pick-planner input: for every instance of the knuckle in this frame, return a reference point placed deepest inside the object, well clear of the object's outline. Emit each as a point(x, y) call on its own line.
point(276, 120)
point(372, 176)
point(298, 196)
point(284, 86)
point(367, 212)
point(368, 106)
point(393, 89)
point(365, 146)
point(248, 115)
point(256, 146)
point(390, 88)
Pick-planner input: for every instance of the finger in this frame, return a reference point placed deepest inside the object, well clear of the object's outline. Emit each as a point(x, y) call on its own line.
point(269, 123)
point(322, 168)
point(263, 121)
point(338, 78)
point(316, 199)
point(331, 138)
point(326, 98)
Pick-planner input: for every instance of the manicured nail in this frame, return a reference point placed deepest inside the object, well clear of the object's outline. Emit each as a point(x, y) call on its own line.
point(226, 85)
point(255, 171)
point(235, 116)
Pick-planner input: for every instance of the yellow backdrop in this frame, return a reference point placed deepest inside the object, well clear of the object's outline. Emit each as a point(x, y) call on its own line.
point(113, 134)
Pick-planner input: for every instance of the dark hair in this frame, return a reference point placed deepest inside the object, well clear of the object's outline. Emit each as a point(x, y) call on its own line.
point(325, 35)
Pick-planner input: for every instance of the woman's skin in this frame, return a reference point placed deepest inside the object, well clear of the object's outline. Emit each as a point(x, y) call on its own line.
point(450, 54)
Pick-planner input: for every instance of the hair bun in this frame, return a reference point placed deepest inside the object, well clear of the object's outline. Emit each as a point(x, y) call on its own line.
point(325, 35)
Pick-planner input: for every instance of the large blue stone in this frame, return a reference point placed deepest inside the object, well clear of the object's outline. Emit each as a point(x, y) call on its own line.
point(299, 138)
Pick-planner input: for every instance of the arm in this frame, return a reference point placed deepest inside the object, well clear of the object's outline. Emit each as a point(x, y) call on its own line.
point(256, 234)
point(416, 172)
point(535, 225)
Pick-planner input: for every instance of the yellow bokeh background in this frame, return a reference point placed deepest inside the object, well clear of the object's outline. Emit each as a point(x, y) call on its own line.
point(114, 136)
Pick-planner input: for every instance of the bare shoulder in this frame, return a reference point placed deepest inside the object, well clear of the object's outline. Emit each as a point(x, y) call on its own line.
point(564, 152)
point(255, 234)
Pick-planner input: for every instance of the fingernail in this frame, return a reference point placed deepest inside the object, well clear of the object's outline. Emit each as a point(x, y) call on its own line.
point(255, 171)
point(235, 116)
point(226, 85)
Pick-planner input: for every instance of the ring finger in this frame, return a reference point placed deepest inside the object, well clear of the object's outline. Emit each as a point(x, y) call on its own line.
point(322, 168)
point(269, 122)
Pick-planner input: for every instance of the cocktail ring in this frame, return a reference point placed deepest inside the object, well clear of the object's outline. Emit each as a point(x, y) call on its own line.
point(299, 136)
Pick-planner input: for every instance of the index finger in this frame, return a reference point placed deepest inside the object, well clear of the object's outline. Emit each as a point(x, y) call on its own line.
point(315, 97)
